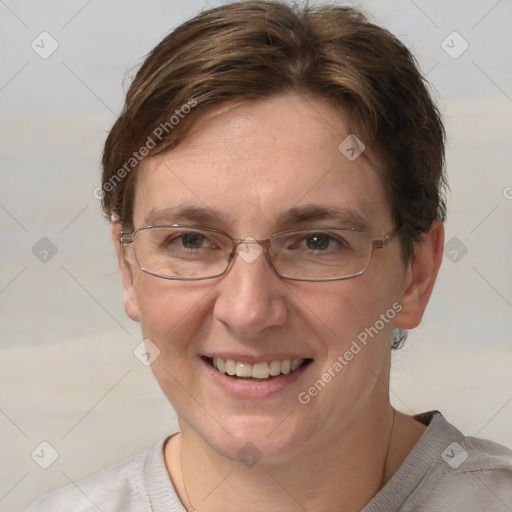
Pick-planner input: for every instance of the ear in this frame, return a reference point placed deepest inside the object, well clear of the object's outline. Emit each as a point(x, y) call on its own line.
point(130, 300)
point(420, 277)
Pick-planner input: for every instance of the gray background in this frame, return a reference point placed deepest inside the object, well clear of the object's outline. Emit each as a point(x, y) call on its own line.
point(67, 369)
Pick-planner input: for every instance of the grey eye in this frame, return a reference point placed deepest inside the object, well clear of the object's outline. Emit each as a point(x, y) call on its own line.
point(192, 240)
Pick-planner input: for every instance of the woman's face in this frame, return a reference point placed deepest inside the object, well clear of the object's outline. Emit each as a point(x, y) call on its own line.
point(253, 170)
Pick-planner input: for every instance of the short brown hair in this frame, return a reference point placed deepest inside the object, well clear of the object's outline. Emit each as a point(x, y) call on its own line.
point(256, 49)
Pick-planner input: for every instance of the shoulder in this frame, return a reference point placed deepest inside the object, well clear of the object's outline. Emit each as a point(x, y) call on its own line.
point(119, 487)
point(467, 454)
point(477, 471)
point(466, 473)
point(447, 471)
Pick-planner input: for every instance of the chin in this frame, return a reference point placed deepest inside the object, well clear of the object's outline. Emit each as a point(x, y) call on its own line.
point(255, 440)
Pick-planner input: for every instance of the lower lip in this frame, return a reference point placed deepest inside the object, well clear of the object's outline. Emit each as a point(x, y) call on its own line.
point(242, 388)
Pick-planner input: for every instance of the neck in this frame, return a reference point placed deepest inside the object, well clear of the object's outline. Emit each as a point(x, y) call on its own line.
point(342, 472)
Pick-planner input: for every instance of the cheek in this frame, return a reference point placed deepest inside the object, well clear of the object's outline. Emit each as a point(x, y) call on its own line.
point(356, 309)
point(175, 317)
point(171, 313)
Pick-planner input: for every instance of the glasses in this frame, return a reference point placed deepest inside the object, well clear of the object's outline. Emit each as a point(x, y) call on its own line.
point(314, 254)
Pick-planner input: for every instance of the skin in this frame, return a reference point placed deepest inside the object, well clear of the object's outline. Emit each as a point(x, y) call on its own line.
point(250, 163)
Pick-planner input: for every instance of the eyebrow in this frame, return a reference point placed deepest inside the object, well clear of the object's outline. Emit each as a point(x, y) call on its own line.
point(182, 212)
point(342, 216)
point(297, 215)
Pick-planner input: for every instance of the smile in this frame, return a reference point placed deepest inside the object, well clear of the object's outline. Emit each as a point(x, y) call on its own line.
point(259, 370)
point(257, 379)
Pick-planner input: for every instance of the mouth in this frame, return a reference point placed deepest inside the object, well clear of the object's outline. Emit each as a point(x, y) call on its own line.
point(261, 371)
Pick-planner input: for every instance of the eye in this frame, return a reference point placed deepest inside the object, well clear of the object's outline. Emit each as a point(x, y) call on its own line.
point(315, 242)
point(191, 240)
point(318, 241)
point(195, 241)
point(188, 241)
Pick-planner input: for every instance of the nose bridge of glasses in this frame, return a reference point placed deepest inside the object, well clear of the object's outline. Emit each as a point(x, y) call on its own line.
point(262, 242)
point(249, 249)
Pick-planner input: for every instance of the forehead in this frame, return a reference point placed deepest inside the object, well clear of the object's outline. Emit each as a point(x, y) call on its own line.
point(259, 164)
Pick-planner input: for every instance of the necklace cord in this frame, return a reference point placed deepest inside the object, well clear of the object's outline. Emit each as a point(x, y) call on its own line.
point(191, 507)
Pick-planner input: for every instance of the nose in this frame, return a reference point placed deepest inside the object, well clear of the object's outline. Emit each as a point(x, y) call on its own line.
point(251, 297)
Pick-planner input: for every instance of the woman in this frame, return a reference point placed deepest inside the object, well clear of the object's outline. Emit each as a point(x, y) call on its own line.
point(276, 191)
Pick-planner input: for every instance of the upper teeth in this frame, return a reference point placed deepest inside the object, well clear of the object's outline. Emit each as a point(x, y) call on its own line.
point(258, 370)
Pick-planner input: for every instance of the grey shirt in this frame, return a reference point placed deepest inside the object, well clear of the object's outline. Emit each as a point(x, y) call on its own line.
point(445, 471)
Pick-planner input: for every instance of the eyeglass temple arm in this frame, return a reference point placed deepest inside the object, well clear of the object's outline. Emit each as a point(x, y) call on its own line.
point(382, 243)
point(126, 239)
